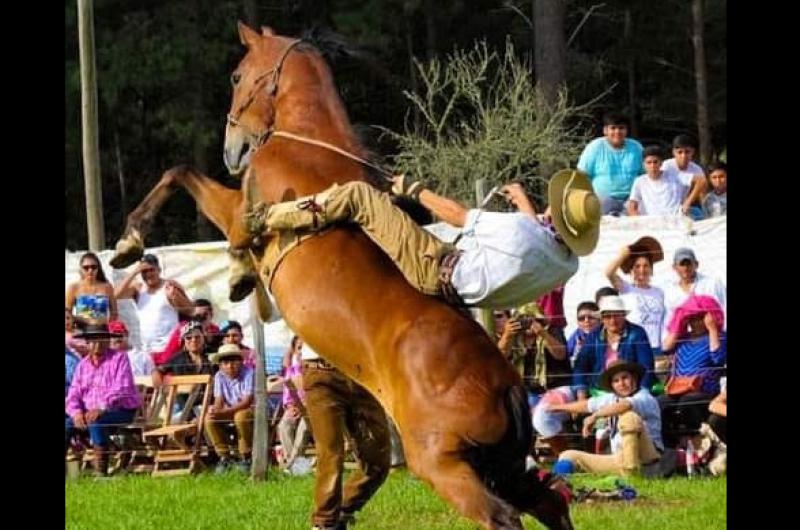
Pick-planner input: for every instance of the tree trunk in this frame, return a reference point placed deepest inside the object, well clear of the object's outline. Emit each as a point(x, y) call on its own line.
point(550, 48)
point(251, 13)
point(430, 29)
point(123, 195)
point(631, 68)
point(701, 82)
point(412, 68)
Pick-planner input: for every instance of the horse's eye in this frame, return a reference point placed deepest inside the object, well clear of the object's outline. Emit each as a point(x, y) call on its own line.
point(235, 78)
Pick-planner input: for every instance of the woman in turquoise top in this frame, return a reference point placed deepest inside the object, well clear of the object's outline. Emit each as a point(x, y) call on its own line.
point(92, 297)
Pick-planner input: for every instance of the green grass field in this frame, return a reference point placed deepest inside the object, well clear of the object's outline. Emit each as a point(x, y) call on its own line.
point(234, 502)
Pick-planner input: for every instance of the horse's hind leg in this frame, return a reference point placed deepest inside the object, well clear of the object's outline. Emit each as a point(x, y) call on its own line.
point(456, 482)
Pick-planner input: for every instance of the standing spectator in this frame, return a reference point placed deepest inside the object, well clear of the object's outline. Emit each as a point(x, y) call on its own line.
point(682, 167)
point(337, 404)
point(91, 297)
point(695, 332)
point(233, 401)
point(715, 203)
point(292, 428)
point(612, 162)
point(634, 418)
point(659, 192)
point(690, 281)
point(231, 333)
point(588, 321)
point(158, 302)
point(102, 393)
point(141, 363)
point(646, 302)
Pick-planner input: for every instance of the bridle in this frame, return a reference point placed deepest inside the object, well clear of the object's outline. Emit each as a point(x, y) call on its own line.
point(273, 75)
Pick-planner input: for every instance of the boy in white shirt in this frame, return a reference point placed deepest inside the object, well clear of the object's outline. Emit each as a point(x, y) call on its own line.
point(688, 172)
point(657, 192)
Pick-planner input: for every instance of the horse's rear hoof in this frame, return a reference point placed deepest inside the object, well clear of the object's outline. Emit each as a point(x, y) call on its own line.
point(241, 287)
point(127, 252)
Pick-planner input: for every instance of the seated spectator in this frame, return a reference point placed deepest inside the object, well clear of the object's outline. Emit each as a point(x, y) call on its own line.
point(695, 333)
point(715, 440)
point(74, 344)
point(715, 203)
point(634, 419)
point(293, 429)
point(233, 401)
point(660, 192)
point(141, 363)
point(70, 363)
point(202, 313)
point(92, 297)
point(102, 394)
point(231, 333)
point(646, 302)
point(690, 281)
point(684, 169)
point(588, 321)
point(616, 339)
point(603, 292)
point(191, 359)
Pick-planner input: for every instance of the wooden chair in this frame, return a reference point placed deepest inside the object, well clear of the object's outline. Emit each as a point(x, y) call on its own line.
point(172, 448)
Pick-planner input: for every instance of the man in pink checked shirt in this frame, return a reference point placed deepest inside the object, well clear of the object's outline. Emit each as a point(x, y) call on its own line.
point(102, 393)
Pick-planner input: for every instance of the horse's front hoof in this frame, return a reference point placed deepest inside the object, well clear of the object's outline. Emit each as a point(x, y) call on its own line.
point(127, 252)
point(242, 286)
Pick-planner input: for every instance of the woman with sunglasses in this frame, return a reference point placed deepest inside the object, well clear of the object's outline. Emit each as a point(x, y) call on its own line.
point(92, 297)
point(231, 332)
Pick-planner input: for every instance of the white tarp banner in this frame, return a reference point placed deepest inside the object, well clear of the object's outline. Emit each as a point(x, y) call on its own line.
point(202, 268)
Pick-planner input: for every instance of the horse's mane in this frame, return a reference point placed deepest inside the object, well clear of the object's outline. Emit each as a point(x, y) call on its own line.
point(336, 48)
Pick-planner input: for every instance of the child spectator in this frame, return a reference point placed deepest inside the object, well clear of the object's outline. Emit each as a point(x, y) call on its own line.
point(685, 170)
point(231, 333)
point(233, 401)
point(715, 203)
point(634, 419)
point(659, 192)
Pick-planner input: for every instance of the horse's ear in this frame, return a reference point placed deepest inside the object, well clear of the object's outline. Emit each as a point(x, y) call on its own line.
point(248, 36)
point(267, 31)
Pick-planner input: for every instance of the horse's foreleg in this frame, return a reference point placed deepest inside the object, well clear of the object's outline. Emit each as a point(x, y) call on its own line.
point(220, 204)
point(457, 483)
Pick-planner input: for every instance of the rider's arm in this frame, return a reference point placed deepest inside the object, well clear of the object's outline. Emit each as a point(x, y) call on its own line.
point(445, 209)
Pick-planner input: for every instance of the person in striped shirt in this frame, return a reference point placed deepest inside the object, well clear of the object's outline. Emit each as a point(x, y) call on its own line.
point(696, 335)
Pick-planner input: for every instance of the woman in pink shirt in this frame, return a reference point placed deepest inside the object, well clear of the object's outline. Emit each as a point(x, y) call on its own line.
point(102, 393)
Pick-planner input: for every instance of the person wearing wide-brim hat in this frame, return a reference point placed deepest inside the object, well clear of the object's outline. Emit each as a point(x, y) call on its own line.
point(500, 260)
point(102, 393)
point(634, 418)
point(645, 301)
point(233, 401)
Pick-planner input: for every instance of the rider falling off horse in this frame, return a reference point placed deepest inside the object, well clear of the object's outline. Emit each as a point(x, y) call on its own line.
point(500, 260)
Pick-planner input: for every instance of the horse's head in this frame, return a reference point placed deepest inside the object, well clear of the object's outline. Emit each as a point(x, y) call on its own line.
point(255, 90)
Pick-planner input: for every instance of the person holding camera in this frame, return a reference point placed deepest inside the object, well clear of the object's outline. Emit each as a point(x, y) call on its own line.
point(537, 349)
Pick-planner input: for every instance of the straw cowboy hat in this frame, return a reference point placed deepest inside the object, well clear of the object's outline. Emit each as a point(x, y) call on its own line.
point(98, 330)
point(636, 369)
point(644, 246)
point(575, 209)
point(226, 350)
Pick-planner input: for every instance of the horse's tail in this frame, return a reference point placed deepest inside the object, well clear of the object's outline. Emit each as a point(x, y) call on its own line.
point(501, 467)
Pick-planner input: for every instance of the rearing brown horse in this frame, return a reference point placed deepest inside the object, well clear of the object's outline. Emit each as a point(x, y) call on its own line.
point(459, 405)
